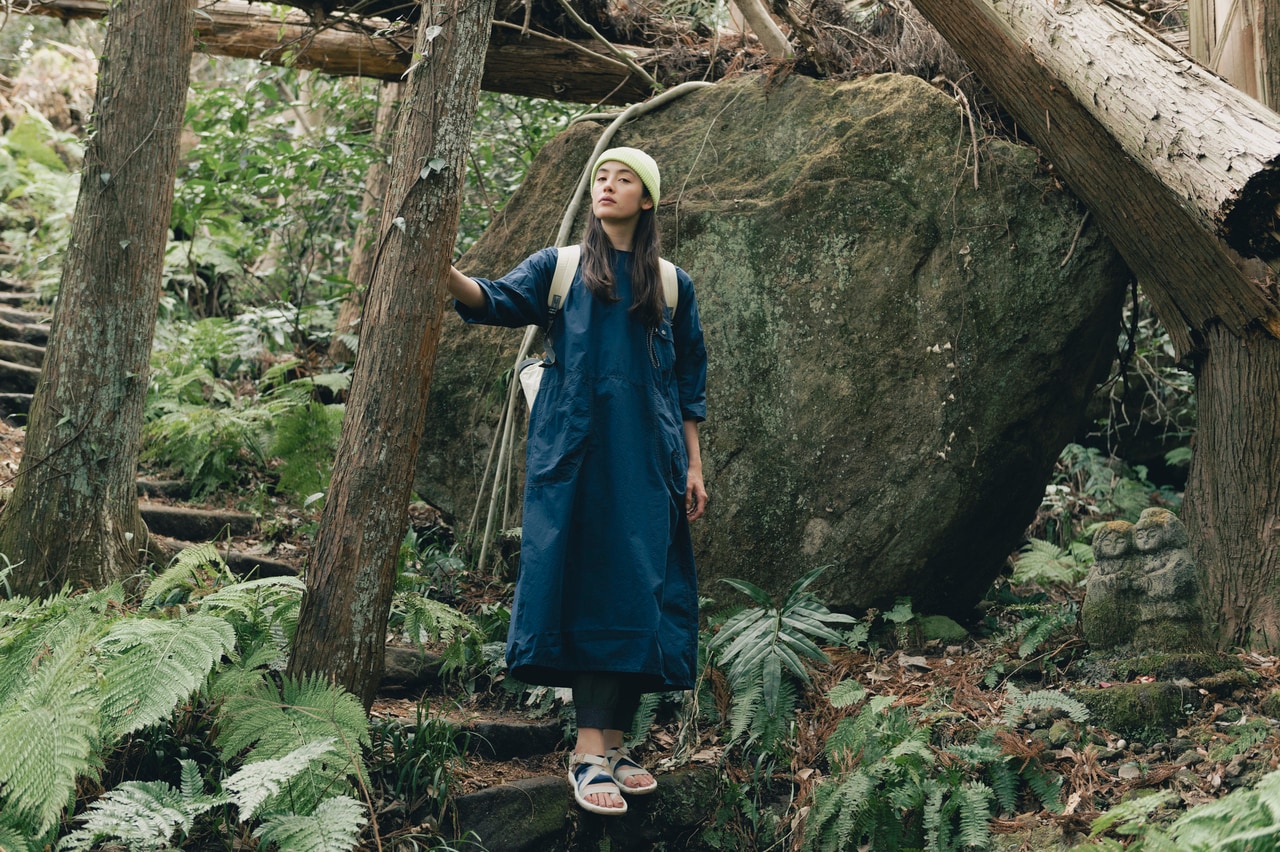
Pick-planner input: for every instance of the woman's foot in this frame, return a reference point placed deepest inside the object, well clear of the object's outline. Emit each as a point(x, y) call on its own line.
point(630, 776)
point(593, 786)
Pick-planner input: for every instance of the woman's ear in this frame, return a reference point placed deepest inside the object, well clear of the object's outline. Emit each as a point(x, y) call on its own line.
point(646, 203)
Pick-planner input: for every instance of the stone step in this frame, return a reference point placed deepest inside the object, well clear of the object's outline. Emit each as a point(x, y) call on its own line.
point(540, 815)
point(195, 524)
point(15, 405)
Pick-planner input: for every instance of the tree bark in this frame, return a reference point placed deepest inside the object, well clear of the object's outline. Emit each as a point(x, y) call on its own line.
point(1168, 157)
point(1231, 507)
point(375, 191)
point(351, 574)
point(531, 65)
point(73, 517)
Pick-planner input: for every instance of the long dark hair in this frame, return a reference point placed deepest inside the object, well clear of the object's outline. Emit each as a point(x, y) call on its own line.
point(648, 303)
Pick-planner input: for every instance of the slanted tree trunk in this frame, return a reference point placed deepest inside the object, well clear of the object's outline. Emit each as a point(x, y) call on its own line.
point(1175, 165)
point(375, 191)
point(73, 517)
point(351, 574)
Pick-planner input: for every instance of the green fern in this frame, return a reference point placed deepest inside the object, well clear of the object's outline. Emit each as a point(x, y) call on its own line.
point(1042, 624)
point(1043, 699)
point(1045, 563)
point(758, 644)
point(49, 736)
point(151, 665)
point(846, 693)
point(182, 576)
point(423, 619)
point(145, 814)
point(261, 780)
point(266, 724)
point(15, 838)
point(334, 826)
point(306, 441)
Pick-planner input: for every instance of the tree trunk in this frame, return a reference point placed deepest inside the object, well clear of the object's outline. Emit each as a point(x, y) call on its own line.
point(73, 517)
point(1230, 506)
point(1145, 140)
point(351, 573)
point(516, 63)
point(1231, 509)
point(375, 191)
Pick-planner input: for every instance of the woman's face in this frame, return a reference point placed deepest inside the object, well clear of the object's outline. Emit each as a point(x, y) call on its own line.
point(618, 195)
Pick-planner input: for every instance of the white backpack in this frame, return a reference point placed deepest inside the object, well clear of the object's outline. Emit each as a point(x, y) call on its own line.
point(530, 369)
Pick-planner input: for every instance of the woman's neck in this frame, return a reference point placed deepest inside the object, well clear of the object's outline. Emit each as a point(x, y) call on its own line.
point(620, 234)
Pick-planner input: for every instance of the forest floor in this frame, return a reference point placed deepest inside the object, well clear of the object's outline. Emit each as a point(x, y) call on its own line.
point(1226, 737)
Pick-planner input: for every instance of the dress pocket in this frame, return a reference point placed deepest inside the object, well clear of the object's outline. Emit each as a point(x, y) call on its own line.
point(662, 349)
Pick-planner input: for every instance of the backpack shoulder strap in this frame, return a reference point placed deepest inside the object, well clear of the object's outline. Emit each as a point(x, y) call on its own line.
point(670, 287)
point(566, 266)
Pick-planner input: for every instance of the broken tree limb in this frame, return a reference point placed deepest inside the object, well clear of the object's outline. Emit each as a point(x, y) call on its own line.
point(1103, 144)
point(516, 63)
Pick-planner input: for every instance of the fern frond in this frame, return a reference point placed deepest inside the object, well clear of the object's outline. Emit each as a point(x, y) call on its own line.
point(643, 719)
point(271, 725)
point(261, 780)
point(429, 620)
point(48, 737)
point(182, 573)
point(846, 692)
point(975, 814)
point(746, 704)
point(17, 839)
point(1036, 630)
point(145, 814)
point(1044, 699)
point(153, 664)
point(1135, 811)
point(334, 826)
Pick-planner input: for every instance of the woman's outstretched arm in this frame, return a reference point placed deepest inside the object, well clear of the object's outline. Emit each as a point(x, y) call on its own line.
point(465, 290)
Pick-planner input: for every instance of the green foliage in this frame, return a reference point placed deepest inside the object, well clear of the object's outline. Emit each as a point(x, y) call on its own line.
point(306, 442)
point(81, 675)
point(893, 788)
point(145, 814)
point(756, 646)
point(276, 180)
point(39, 197)
point(150, 665)
point(416, 763)
point(1042, 699)
point(1244, 819)
point(267, 722)
point(1047, 564)
point(334, 826)
point(216, 416)
point(509, 131)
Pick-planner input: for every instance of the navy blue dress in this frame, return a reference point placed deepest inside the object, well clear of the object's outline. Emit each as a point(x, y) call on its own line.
point(607, 580)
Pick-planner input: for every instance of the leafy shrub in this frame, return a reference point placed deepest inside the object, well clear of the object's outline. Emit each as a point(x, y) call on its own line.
point(757, 644)
point(80, 674)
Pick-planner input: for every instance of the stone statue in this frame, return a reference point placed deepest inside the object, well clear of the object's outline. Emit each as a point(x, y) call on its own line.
point(1142, 591)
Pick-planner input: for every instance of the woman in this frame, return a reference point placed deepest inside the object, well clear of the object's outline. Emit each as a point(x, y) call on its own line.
point(606, 600)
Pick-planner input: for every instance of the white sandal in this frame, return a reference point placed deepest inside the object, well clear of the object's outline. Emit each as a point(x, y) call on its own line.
point(622, 767)
point(587, 781)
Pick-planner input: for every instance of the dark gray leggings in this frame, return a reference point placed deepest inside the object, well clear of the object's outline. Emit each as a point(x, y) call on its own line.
point(606, 700)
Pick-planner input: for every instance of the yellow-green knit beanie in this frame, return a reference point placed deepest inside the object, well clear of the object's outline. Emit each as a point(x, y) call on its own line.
point(640, 163)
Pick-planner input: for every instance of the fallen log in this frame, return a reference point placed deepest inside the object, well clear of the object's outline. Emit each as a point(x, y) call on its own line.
point(516, 63)
point(1178, 167)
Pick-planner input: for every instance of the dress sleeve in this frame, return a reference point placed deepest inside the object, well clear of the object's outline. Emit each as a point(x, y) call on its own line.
point(517, 298)
point(691, 352)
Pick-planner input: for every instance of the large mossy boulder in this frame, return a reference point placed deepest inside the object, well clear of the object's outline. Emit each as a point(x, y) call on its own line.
point(897, 356)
